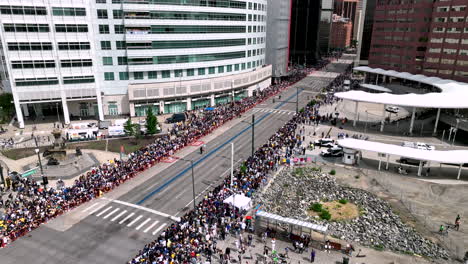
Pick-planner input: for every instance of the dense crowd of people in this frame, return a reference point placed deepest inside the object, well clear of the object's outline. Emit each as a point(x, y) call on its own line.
point(29, 204)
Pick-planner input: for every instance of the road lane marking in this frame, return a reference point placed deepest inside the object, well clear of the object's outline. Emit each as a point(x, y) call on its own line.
point(119, 215)
point(107, 209)
point(91, 207)
point(134, 221)
point(97, 209)
point(127, 217)
point(151, 226)
point(159, 229)
point(144, 209)
point(144, 223)
point(111, 213)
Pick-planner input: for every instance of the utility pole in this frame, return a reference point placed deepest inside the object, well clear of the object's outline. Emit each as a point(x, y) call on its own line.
point(232, 165)
point(253, 134)
point(297, 100)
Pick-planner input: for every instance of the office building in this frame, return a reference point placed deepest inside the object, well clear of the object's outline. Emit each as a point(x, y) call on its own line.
point(421, 37)
point(341, 32)
point(365, 30)
point(278, 34)
point(99, 58)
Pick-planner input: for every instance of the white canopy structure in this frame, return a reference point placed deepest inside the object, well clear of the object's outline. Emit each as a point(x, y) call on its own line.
point(290, 221)
point(375, 87)
point(446, 156)
point(240, 201)
point(452, 94)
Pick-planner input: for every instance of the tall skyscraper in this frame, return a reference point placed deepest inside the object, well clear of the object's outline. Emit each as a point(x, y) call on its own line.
point(421, 37)
point(365, 35)
point(118, 57)
point(278, 34)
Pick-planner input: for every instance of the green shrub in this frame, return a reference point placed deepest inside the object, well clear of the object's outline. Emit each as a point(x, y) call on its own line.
point(325, 215)
point(357, 177)
point(343, 201)
point(333, 172)
point(316, 207)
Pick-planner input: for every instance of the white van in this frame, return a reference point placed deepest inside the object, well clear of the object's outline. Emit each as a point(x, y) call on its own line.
point(116, 131)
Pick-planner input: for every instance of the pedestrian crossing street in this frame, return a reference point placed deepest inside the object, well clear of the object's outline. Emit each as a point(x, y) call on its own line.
point(130, 217)
point(274, 111)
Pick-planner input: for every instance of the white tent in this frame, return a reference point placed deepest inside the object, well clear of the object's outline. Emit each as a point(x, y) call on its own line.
point(240, 201)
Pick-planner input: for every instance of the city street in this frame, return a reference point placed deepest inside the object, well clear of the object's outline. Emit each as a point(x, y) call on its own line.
point(113, 228)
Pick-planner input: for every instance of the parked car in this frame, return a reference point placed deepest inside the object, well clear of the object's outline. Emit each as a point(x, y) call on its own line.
point(104, 124)
point(335, 151)
point(175, 118)
point(325, 142)
point(411, 161)
point(392, 109)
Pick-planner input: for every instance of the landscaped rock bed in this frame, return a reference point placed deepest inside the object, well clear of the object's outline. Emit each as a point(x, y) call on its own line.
point(294, 190)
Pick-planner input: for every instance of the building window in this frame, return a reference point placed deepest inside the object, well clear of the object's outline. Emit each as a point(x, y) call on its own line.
point(104, 29)
point(37, 64)
point(123, 76)
point(243, 66)
point(108, 76)
point(76, 63)
point(36, 81)
point(23, 10)
point(119, 29)
point(29, 46)
point(201, 29)
point(26, 27)
point(196, 58)
point(201, 71)
point(178, 73)
point(78, 79)
point(113, 108)
point(138, 75)
point(106, 45)
point(121, 45)
point(68, 11)
point(229, 68)
point(102, 14)
point(166, 74)
point(122, 60)
point(190, 72)
point(74, 46)
point(117, 14)
point(71, 28)
point(211, 70)
point(107, 61)
point(152, 75)
point(220, 69)
point(100, 1)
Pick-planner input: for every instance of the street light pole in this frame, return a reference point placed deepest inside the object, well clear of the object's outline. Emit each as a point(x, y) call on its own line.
point(44, 178)
point(367, 120)
point(193, 185)
point(232, 165)
point(297, 100)
point(253, 134)
point(455, 132)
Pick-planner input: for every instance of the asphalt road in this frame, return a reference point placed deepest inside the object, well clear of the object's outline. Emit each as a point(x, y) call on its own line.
point(114, 231)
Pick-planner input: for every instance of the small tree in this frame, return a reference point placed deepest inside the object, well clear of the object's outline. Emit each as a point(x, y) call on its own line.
point(129, 128)
point(151, 122)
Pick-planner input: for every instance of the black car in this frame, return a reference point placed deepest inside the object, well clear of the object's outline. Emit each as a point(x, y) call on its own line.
point(175, 118)
point(411, 161)
point(325, 142)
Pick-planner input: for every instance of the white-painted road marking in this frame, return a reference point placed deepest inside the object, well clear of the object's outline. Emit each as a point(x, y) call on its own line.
point(91, 207)
point(119, 215)
point(159, 229)
point(134, 221)
point(151, 226)
point(142, 224)
point(97, 209)
point(145, 209)
point(111, 213)
point(127, 217)
point(107, 209)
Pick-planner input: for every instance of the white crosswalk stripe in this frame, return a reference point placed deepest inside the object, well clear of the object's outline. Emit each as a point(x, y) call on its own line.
point(105, 210)
point(98, 208)
point(159, 229)
point(91, 207)
point(142, 224)
point(111, 213)
point(151, 226)
point(119, 215)
point(134, 221)
point(127, 217)
point(273, 111)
